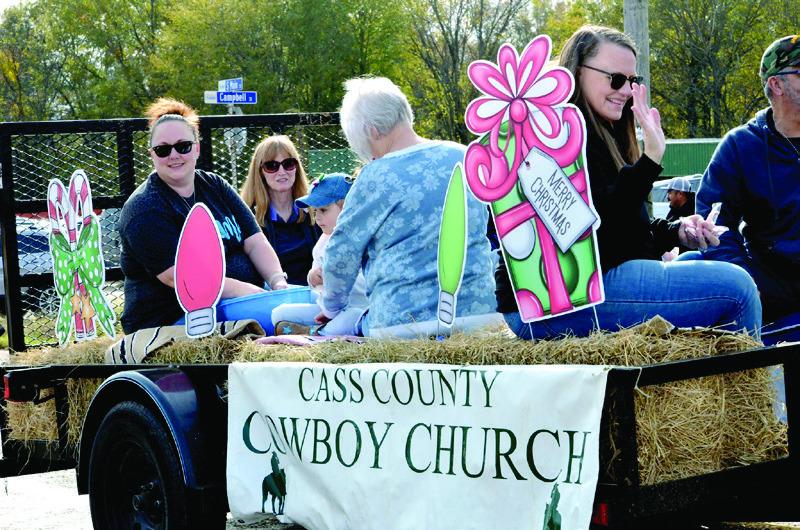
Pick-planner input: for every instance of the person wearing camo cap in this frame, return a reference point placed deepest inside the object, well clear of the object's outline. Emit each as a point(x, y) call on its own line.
point(755, 175)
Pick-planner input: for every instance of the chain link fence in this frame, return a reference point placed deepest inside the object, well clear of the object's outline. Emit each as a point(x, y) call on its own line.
point(114, 155)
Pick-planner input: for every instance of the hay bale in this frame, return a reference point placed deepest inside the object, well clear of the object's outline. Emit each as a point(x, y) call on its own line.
point(683, 429)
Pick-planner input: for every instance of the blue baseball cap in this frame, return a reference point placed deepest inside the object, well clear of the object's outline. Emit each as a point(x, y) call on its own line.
point(326, 190)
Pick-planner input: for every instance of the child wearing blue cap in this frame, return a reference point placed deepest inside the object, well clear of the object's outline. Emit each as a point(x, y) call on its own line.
point(326, 198)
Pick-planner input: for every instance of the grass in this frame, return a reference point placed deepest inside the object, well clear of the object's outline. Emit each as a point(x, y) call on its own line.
point(4, 337)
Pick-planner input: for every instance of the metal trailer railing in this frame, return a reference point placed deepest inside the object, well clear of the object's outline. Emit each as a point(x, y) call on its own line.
point(114, 155)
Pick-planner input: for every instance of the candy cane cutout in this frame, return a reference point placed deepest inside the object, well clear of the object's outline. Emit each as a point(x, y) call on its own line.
point(80, 201)
point(59, 212)
point(58, 208)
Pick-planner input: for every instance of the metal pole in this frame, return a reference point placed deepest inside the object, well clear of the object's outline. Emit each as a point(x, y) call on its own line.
point(636, 25)
point(13, 309)
point(235, 138)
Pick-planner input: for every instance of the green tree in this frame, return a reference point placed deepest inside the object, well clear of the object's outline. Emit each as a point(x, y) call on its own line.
point(329, 41)
point(295, 53)
point(204, 41)
point(30, 76)
point(564, 17)
point(106, 46)
point(705, 56)
point(447, 36)
point(379, 29)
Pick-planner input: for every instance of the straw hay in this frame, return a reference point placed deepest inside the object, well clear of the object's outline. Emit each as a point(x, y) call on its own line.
point(683, 429)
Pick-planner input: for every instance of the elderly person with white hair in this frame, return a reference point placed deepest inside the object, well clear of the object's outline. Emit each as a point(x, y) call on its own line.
point(390, 222)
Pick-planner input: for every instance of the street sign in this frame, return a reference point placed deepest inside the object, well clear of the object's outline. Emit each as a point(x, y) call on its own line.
point(230, 85)
point(230, 97)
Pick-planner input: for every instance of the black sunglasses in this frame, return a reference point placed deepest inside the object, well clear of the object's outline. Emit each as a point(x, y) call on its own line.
point(271, 166)
point(617, 79)
point(788, 72)
point(163, 150)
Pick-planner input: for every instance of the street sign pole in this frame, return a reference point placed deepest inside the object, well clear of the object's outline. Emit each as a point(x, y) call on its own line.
point(231, 94)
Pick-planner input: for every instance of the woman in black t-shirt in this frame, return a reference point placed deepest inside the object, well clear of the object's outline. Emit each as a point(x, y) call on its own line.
point(153, 216)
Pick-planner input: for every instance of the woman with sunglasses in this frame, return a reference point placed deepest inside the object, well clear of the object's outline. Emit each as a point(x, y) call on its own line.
point(153, 216)
point(275, 179)
point(637, 284)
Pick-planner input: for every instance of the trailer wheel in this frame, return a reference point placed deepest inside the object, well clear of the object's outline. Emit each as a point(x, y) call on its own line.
point(135, 478)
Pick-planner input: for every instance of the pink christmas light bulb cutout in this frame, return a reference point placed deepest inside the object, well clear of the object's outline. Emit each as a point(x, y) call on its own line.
point(199, 271)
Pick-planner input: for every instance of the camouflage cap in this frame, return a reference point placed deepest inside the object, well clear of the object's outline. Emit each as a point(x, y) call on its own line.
point(780, 54)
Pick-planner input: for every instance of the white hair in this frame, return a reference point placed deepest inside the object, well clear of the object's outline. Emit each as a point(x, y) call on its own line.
point(371, 103)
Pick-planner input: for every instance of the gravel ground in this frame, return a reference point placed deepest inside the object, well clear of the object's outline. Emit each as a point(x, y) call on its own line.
point(22, 506)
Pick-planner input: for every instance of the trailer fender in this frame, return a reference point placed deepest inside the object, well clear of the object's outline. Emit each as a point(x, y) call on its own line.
point(175, 398)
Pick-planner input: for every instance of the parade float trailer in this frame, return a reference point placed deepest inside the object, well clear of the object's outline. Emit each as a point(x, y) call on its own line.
point(688, 431)
point(681, 442)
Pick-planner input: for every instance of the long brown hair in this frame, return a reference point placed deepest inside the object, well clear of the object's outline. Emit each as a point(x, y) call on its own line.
point(168, 109)
point(254, 191)
point(583, 45)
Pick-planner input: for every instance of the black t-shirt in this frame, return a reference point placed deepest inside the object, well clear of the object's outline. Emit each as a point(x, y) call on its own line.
point(150, 225)
point(793, 140)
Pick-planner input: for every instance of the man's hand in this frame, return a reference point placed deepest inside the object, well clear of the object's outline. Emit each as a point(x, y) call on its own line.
point(696, 232)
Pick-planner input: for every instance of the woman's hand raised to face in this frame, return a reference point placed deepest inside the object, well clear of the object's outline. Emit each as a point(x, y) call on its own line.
point(650, 121)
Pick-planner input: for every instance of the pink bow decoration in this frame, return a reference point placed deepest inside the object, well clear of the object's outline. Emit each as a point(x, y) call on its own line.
point(519, 92)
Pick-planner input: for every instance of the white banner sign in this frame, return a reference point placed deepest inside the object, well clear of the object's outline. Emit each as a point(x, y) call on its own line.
point(414, 446)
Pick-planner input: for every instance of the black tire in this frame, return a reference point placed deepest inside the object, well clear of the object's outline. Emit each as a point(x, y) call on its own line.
point(49, 302)
point(135, 478)
point(43, 300)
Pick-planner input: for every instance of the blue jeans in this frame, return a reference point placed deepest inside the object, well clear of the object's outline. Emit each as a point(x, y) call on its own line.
point(780, 290)
point(686, 293)
point(691, 255)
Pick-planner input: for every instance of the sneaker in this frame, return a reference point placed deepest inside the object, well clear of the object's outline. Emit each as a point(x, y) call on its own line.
point(286, 327)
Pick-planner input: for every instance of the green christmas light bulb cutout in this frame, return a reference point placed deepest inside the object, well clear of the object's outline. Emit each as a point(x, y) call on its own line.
point(452, 246)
